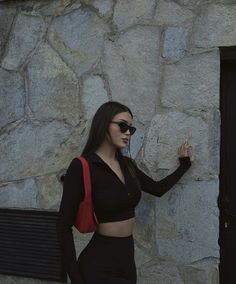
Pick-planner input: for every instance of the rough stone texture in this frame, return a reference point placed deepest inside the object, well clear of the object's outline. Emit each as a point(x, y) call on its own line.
point(131, 12)
point(141, 255)
point(78, 37)
point(215, 26)
point(81, 240)
point(7, 13)
point(167, 132)
point(175, 42)
point(194, 80)
point(54, 8)
point(26, 33)
point(22, 194)
point(189, 3)
point(181, 215)
point(73, 6)
point(145, 218)
point(50, 192)
point(132, 65)
point(202, 272)
point(170, 13)
point(94, 95)
point(12, 98)
point(53, 87)
point(159, 272)
point(104, 7)
point(48, 147)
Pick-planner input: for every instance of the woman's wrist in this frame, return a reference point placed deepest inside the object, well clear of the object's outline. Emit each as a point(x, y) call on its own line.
point(185, 161)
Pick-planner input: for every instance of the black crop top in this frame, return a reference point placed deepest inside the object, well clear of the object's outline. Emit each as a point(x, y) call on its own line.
point(113, 200)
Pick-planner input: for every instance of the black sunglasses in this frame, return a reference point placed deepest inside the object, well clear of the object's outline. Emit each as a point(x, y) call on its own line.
point(124, 127)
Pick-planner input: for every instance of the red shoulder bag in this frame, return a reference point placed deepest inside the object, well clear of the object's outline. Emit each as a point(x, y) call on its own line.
point(86, 220)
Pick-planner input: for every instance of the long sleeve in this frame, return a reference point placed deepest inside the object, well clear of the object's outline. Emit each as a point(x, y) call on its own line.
point(158, 188)
point(73, 194)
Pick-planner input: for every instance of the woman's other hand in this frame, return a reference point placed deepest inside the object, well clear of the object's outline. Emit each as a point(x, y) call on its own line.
point(185, 150)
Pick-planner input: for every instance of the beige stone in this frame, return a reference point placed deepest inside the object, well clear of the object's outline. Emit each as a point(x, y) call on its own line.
point(49, 192)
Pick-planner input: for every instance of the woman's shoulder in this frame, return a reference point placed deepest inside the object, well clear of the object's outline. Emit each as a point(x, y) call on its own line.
point(75, 166)
point(75, 162)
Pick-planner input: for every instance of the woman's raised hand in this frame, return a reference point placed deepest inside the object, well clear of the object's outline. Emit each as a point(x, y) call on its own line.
point(185, 150)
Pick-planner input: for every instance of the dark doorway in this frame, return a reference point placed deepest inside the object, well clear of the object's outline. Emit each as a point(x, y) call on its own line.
point(227, 196)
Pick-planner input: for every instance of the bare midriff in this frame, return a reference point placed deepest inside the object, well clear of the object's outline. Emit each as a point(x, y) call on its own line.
point(116, 229)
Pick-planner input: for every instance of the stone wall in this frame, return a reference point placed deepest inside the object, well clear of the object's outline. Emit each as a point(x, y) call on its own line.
point(60, 60)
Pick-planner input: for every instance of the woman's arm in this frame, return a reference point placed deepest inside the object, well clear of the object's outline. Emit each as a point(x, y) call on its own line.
point(73, 194)
point(158, 188)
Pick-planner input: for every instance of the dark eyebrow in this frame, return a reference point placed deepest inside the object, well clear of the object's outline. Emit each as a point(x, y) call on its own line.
point(125, 121)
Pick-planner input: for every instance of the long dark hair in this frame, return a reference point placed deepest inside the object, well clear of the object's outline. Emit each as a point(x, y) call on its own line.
point(99, 129)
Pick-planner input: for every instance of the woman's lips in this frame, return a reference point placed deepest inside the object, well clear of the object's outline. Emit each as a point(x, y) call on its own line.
point(125, 140)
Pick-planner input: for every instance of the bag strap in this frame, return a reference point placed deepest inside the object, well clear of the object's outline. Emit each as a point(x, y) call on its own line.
point(86, 175)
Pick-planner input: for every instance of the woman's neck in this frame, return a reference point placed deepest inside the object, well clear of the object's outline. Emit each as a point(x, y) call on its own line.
point(107, 152)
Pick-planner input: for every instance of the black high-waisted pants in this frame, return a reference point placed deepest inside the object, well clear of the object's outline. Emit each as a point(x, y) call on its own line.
point(108, 260)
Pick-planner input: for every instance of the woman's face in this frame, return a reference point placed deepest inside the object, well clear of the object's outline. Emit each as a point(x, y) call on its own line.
point(115, 136)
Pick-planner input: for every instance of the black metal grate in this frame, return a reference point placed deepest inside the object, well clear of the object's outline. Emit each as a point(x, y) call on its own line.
point(29, 246)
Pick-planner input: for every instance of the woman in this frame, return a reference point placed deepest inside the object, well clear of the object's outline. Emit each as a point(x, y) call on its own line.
point(117, 184)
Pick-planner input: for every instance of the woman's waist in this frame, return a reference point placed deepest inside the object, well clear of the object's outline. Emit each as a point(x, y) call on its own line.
point(123, 228)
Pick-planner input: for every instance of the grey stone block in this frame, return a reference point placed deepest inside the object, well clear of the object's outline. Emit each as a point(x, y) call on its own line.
point(78, 37)
point(205, 271)
point(7, 13)
point(26, 33)
point(159, 272)
point(187, 221)
point(36, 149)
point(131, 12)
point(22, 194)
point(53, 87)
point(170, 13)
point(49, 192)
point(175, 42)
point(132, 65)
point(51, 8)
point(12, 97)
point(193, 82)
point(104, 7)
point(94, 95)
point(166, 133)
point(215, 26)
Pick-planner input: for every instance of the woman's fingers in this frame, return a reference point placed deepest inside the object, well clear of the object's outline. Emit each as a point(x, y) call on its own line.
point(185, 149)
